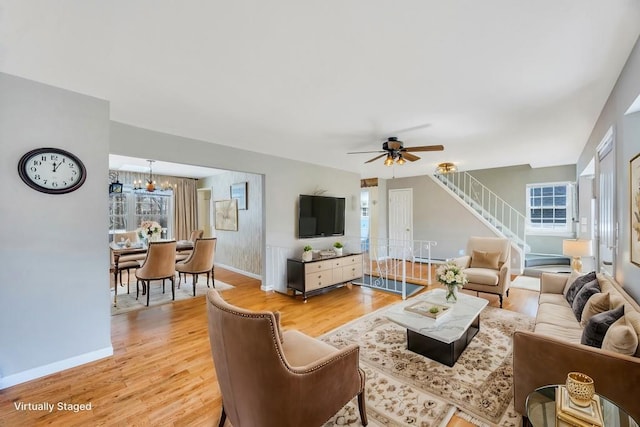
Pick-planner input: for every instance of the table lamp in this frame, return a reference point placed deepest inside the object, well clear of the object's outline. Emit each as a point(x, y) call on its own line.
point(576, 248)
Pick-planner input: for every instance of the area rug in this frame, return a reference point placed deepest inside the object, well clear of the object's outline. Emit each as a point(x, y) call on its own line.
point(128, 302)
point(406, 389)
point(526, 282)
point(387, 285)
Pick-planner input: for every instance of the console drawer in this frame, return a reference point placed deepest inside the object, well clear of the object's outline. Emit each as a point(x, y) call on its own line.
point(318, 279)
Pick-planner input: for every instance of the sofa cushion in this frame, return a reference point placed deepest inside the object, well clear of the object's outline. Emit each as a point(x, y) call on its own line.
point(572, 278)
point(597, 326)
point(482, 259)
point(482, 276)
point(621, 338)
point(598, 303)
point(559, 332)
point(558, 315)
point(557, 299)
point(633, 320)
point(578, 284)
point(583, 296)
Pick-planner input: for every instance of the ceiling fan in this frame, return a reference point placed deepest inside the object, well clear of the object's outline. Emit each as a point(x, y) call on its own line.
point(394, 151)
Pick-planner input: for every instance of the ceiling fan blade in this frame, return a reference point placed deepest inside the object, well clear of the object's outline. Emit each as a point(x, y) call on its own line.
point(410, 157)
point(425, 148)
point(376, 158)
point(366, 152)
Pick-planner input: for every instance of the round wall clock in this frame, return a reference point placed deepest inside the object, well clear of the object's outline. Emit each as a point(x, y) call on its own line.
point(52, 170)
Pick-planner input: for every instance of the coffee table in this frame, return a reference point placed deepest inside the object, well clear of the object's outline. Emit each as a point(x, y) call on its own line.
point(445, 338)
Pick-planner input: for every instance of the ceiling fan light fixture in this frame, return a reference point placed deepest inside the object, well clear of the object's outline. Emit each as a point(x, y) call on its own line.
point(400, 160)
point(445, 168)
point(389, 160)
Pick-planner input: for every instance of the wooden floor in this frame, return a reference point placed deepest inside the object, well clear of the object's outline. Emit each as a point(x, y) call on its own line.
point(162, 373)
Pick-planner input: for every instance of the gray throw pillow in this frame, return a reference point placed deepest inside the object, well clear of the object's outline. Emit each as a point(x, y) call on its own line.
point(597, 326)
point(583, 296)
point(578, 284)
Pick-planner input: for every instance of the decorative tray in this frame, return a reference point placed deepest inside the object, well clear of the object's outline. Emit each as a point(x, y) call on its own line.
point(428, 309)
point(568, 413)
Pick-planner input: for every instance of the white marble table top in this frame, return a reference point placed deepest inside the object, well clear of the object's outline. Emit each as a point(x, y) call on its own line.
point(446, 328)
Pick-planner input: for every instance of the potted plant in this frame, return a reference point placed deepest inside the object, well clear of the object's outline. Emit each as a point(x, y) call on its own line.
point(307, 255)
point(337, 248)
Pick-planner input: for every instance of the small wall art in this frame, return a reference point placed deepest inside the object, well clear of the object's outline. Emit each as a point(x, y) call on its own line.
point(239, 192)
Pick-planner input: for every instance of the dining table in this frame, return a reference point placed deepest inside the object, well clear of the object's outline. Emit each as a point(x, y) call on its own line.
point(119, 249)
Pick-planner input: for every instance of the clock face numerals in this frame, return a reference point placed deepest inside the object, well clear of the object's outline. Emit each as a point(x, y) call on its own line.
point(51, 170)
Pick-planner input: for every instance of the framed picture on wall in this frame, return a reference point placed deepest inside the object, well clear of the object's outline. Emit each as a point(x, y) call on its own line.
point(239, 192)
point(634, 195)
point(227, 215)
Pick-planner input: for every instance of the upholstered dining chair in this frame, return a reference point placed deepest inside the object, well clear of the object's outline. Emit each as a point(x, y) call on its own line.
point(195, 235)
point(487, 265)
point(126, 262)
point(158, 265)
point(274, 378)
point(199, 262)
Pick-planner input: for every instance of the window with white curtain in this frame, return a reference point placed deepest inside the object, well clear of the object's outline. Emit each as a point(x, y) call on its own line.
point(550, 208)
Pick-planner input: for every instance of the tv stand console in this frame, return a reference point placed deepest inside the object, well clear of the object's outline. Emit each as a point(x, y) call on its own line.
point(322, 272)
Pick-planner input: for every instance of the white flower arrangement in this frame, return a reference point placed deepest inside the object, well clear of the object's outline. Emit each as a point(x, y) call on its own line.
point(452, 277)
point(150, 230)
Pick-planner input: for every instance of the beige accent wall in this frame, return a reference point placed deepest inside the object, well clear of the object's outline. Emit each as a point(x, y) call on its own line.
point(242, 249)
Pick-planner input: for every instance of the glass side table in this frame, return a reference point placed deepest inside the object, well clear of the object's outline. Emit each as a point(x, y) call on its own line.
point(541, 410)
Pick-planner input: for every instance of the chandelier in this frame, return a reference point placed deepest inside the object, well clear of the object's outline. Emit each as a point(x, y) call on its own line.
point(151, 184)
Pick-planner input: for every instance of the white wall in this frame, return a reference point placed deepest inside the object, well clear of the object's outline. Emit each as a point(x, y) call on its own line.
point(54, 282)
point(627, 140)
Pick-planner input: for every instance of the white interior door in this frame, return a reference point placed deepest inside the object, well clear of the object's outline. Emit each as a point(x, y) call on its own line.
point(400, 222)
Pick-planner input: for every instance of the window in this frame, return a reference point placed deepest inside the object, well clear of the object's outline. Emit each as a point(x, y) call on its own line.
point(550, 208)
point(128, 209)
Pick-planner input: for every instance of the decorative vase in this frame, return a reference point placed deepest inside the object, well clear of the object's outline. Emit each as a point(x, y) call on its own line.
point(154, 237)
point(452, 293)
point(307, 256)
point(580, 388)
point(338, 251)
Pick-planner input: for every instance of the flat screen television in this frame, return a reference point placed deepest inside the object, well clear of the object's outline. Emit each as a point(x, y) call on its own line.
point(320, 216)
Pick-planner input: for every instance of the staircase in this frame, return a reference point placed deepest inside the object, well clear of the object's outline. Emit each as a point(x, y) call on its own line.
point(493, 211)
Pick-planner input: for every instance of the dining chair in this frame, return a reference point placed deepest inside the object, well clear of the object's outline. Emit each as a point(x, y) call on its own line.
point(199, 262)
point(195, 234)
point(158, 265)
point(274, 378)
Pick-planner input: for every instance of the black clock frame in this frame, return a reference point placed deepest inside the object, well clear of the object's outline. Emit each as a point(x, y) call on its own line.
point(22, 170)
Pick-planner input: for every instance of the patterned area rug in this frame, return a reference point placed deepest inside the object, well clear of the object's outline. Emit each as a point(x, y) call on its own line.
point(128, 302)
point(407, 389)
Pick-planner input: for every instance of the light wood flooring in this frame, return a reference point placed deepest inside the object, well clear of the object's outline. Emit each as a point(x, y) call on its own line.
point(162, 373)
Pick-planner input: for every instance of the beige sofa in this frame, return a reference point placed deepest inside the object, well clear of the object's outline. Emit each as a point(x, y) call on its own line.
point(553, 349)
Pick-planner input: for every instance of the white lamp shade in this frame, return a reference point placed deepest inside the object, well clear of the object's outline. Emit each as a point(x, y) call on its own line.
point(577, 248)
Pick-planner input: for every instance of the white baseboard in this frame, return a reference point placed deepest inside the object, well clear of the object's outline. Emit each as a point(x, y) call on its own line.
point(41, 371)
point(237, 270)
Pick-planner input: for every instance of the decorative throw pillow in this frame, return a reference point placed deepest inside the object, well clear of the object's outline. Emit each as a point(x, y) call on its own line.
point(597, 326)
point(572, 278)
point(621, 338)
point(481, 259)
point(598, 303)
point(578, 284)
point(633, 320)
point(582, 297)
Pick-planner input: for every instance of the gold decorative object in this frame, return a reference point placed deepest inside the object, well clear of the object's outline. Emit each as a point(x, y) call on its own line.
point(580, 388)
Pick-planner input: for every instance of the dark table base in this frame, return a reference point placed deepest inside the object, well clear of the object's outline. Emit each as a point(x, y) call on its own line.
point(444, 353)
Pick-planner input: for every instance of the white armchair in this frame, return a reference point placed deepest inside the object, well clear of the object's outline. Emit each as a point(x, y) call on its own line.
point(487, 265)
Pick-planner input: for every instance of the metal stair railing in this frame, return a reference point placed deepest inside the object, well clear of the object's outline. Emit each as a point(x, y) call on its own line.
point(500, 214)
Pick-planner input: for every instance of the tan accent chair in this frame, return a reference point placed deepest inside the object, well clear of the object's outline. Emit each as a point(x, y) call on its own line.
point(490, 271)
point(270, 378)
point(195, 235)
point(199, 262)
point(158, 265)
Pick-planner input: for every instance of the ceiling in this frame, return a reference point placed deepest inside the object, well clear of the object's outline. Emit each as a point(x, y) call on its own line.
point(497, 82)
point(133, 164)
